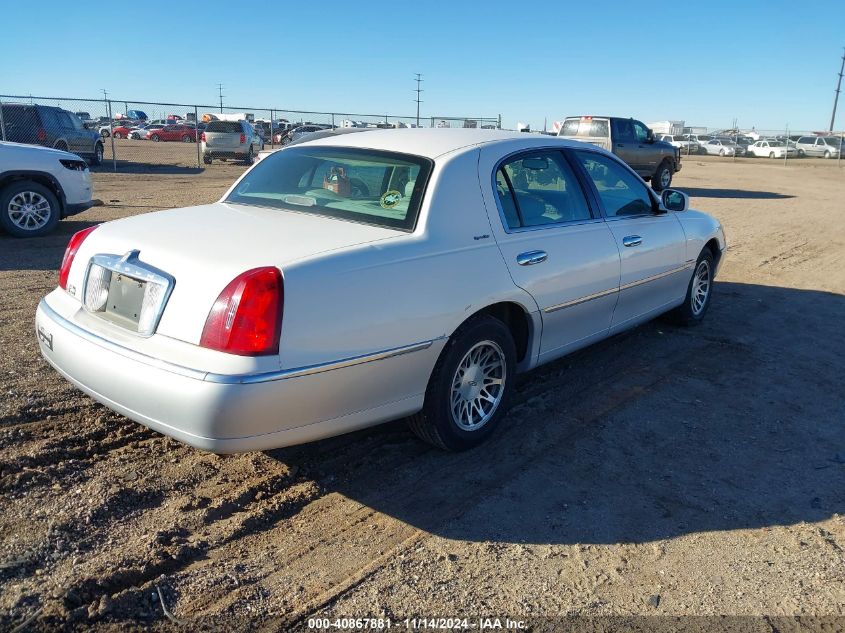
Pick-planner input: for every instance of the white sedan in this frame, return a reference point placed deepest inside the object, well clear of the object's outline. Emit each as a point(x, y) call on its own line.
point(352, 280)
point(770, 149)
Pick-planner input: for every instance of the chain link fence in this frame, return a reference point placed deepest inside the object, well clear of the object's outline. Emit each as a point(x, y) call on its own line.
point(784, 144)
point(121, 134)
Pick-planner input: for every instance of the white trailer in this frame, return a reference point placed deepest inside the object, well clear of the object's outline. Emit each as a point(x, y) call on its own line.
point(667, 127)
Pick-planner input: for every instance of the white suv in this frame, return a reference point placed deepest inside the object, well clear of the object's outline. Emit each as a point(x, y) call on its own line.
point(39, 186)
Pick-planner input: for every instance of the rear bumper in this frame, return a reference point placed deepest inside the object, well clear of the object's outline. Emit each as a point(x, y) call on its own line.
point(224, 153)
point(230, 414)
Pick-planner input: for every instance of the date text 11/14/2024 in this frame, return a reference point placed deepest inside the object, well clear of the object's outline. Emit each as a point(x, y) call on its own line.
point(418, 624)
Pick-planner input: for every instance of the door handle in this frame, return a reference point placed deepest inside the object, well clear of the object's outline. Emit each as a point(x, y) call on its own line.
point(632, 240)
point(531, 257)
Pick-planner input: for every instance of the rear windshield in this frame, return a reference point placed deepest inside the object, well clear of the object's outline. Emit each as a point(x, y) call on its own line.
point(224, 126)
point(585, 127)
point(359, 185)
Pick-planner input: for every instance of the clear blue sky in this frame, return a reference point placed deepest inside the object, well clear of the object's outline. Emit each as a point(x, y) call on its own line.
point(765, 63)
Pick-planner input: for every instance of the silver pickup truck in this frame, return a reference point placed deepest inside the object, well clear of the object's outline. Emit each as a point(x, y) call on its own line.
point(630, 140)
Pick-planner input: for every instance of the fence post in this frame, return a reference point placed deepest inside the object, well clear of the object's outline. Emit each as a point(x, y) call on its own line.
point(272, 134)
point(2, 122)
point(838, 160)
point(786, 146)
point(332, 120)
point(197, 135)
point(111, 136)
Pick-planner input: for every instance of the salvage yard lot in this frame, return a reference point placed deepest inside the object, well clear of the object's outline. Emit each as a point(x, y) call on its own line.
point(665, 471)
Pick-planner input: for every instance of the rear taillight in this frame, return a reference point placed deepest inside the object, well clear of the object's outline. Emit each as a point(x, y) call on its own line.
point(243, 139)
point(202, 137)
point(41, 134)
point(246, 319)
point(70, 253)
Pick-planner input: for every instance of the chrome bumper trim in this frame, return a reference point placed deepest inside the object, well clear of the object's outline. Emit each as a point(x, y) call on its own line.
point(230, 379)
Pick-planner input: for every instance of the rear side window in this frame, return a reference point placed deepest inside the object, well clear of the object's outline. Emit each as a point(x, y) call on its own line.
point(225, 127)
point(621, 192)
point(540, 189)
point(370, 186)
point(51, 119)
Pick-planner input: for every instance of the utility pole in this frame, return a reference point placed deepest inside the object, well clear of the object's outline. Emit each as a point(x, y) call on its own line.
point(836, 94)
point(220, 93)
point(418, 91)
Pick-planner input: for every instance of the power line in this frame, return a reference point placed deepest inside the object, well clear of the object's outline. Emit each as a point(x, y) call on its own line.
point(836, 93)
point(418, 91)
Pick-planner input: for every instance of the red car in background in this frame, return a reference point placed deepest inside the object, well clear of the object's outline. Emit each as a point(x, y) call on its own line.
point(122, 131)
point(184, 133)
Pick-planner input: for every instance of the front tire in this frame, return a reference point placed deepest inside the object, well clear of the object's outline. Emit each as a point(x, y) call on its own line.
point(206, 159)
point(827, 153)
point(721, 152)
point(470, 388)
point(28, 209)
point(771, 154)
point(187, 139)
point(155, 137)
point(699, 292)
point(662, 178)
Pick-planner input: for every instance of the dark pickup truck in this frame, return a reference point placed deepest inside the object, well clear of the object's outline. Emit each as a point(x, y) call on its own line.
point(631, 141)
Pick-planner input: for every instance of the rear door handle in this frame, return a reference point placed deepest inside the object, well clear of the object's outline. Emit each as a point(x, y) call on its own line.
point(632, 240)
point(531, 257)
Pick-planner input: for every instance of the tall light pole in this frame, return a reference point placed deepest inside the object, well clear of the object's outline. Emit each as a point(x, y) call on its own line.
point(838, 87)
point(220, 93)
point(418, 91)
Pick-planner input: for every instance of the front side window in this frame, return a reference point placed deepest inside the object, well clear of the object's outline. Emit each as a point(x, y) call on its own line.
point(621, 192)
point(640, 132)
point(370, 186)
point(538, 189)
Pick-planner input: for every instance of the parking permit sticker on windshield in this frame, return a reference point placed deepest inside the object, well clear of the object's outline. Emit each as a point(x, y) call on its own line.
point(390, 199)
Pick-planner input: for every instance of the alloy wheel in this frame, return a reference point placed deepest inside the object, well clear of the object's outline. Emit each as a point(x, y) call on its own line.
point(700, 288)
point(478, 386)
point(29, 210)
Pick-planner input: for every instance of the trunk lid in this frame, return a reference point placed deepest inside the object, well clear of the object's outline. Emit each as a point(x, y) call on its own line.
point(203, 248)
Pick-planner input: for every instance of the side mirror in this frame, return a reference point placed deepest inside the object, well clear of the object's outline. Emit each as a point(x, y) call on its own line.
point(674, 200)
point(649, 136)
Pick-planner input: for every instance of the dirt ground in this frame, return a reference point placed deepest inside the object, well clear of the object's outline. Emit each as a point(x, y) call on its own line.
point(664, 472)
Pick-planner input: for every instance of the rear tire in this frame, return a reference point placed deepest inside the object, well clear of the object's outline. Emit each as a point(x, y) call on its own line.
point(155, 137)
point(250, 157)
point(662, 178)
point(470, 387)
point(118, 135)
point(186, 139)
point(699, 292)
point(28, 209)
point(206, 160)
point(771, 154)
point(61, 146)
point(97, 158)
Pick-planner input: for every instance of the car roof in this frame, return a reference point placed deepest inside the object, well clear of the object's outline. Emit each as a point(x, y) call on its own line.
point(434, 142)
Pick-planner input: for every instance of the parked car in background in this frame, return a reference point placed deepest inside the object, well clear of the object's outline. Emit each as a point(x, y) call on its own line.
point(230, 139)
point(298, 132)
point(824, 146)
point(183, 133)
point(700, 139)
point(721, 147)
point(246, 351)
point(632, 141)
point(50, 126)
point(140, 132)
point(680, 141)
point(742, 142)
point(122, 131)
point(770, 148)
point(40, 186)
